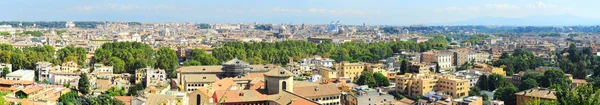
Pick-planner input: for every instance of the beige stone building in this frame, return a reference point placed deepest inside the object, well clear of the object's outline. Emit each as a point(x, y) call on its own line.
point(350, 70)
point(419, 84)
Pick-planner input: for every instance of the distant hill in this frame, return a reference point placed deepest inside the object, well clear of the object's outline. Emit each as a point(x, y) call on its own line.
point(556, 20)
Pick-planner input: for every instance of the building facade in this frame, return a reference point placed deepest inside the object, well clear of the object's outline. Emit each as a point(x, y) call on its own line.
point(350, 70)
point(420, 84)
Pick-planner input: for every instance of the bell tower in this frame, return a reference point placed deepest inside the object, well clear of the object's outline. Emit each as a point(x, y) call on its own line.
point(278, 80)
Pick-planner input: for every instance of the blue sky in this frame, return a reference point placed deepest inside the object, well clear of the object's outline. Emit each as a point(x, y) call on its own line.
point(374, 12)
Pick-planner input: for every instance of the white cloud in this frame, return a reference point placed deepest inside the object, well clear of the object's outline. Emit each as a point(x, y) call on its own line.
point(455, 9)
point(277, 9)
point(125, 7)
point(504, 10)
point(337, 11)
point(541, 5)
point(501, 6)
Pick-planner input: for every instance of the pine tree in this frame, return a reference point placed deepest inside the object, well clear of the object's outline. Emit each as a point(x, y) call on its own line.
point(404, 67)
point(437, 68)
point(84, 84)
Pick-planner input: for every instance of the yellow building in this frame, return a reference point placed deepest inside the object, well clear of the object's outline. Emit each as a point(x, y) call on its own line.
point(350, 70)
point(420, 84)
point(69, 67)
point(489, 69)
point(327, 72)
point(498, 70)
point(420, 67)
point(535, 93)
point(377, 68)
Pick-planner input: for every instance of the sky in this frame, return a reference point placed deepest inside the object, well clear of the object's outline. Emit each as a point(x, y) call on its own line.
point(371, 12)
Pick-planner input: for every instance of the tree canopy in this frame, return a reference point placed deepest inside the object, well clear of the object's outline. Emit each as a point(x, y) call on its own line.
point(135, 55)
point(520, 60)
point(83, 85)
point(506, 94)
point(167, 59)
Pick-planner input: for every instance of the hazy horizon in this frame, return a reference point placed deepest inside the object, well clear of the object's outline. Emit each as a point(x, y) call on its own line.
point(350, 12)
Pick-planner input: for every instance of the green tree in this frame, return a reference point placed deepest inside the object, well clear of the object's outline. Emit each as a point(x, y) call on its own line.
point(404, 67)
point(68, 98)
point(167, 59)
point(482, 83)
point(537, 101)
point(20, 94)
point(203, 57)
point(437, 68)
point(84, 84)
point(134, 90)
point(192, 63)
point(367, 79)
point(506, 94)
point(553, 76)
point(581, 95)
point(528, 84)
point(381, 79)
point(118, 64)
point(4, 72)
point(3, 101)
point(77, 54)
point(475, 91)
point(115, 91)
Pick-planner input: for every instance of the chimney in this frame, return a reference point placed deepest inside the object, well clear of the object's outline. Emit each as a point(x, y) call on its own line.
point(549, 91)
point(317, 89)
point(241, 94)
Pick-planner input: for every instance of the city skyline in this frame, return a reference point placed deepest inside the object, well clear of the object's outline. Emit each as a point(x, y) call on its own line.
point(355, 12)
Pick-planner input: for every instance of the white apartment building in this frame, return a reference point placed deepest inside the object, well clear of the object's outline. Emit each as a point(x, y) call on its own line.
point(7, 28)
point(28, 75)
point(63, 77)
point(445, 61)
point(311, 63)
point(43, 69)
point(155, 76)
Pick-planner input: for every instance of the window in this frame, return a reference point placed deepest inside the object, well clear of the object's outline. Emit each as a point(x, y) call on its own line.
point(284, 85)
point(198, 99)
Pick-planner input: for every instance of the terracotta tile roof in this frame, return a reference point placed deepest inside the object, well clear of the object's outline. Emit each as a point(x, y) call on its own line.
point(301, 101)
point(257, 85)
point(317, 91)
point(252, 95)
point(407, 101)
point(304, 84)
point(200, 78)
point(14, 82)
point(125, 99)
point(279, 72)
point(223, 84)
point(285, 98)
point(158, 99)
point(200, 69)
point(538, 92)
point(227, 96)
point(254, 75)
point(103, 85)
point(32, 89)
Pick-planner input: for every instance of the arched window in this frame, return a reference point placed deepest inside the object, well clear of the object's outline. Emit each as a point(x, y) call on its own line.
point(284, 85)
point(198, 101)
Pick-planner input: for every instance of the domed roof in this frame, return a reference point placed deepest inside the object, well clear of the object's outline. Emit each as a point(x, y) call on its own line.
point(279, 72)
